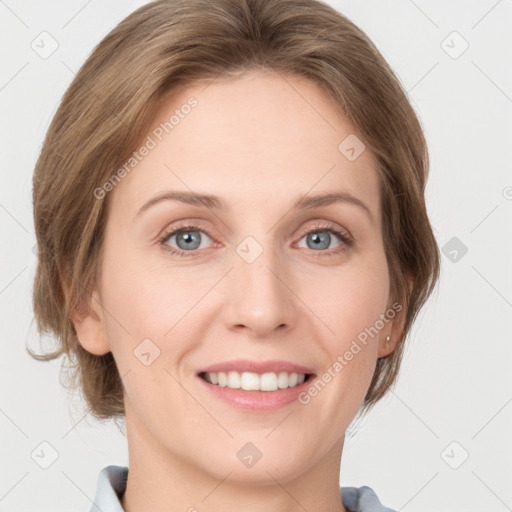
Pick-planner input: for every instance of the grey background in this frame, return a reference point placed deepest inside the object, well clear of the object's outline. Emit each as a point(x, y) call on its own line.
point(453, 398)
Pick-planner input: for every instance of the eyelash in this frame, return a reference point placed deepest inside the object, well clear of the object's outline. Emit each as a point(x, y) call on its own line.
point(344, 237)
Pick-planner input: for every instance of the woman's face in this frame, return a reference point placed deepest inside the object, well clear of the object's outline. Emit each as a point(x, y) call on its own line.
point(255, 280)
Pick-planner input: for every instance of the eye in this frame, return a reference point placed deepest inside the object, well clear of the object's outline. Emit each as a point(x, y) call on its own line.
point(188, 239)
point(318, 239)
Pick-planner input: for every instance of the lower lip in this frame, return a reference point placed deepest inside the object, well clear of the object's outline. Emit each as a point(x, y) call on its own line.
point(257, 400)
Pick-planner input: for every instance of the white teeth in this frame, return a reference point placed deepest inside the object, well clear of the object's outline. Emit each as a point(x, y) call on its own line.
point(233, 380)
point(223, 380)
point(293, 379)
point(268, 382)
point(250, 381)
point(282, 380)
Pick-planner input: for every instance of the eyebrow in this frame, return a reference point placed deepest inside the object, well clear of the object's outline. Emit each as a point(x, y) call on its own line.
point(213, 202)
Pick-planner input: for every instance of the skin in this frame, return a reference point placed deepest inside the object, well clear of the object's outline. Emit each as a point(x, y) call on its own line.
point(258, 141)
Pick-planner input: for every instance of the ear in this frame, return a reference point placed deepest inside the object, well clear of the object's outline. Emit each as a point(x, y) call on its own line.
point(88, 320)
point(395, 327)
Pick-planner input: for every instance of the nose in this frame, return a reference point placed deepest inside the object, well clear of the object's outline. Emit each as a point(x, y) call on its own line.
point(260, 298)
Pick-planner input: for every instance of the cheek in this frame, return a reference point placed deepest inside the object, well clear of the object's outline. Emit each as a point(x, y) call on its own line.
point(146, 302)
point(351, 309)
point(147, 330)
point(349, 299)
point(351, 303)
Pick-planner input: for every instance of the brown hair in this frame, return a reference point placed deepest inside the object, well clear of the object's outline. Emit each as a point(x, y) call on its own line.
point(164, 47)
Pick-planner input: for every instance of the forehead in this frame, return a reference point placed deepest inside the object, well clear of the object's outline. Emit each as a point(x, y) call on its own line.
point(257, 140)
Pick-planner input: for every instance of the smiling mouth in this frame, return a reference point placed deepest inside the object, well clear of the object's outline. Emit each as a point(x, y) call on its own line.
point(251, 381)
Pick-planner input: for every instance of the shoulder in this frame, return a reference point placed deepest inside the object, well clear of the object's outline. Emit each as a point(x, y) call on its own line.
point(362, 499)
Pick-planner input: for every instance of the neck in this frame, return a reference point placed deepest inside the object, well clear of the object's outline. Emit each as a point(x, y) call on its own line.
point(162, 480)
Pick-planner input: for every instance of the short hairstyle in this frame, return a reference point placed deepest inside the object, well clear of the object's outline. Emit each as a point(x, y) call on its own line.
point(162, 48)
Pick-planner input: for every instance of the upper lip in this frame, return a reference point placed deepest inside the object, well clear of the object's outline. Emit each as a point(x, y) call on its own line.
point(246, 365)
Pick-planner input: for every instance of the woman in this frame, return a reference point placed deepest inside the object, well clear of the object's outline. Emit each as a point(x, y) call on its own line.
point(233, 246)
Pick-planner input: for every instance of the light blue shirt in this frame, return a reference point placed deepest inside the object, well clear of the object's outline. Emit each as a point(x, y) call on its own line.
point(112, 484)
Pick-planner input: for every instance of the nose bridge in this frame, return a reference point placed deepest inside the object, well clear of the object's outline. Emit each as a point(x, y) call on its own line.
point(259, 297)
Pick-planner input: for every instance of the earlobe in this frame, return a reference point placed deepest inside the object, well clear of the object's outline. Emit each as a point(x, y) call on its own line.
point(88, 320)
point(393, 332)
point(387, 345)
